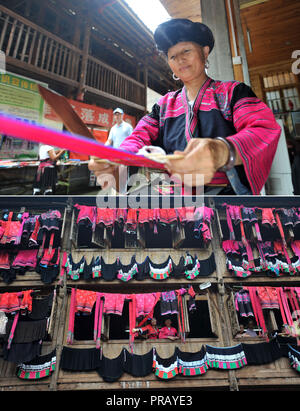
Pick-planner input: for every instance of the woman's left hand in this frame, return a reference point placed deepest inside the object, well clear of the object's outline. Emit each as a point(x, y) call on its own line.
point(202, 158)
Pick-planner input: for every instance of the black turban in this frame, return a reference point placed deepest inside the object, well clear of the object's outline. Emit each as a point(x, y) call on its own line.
point(175, 31)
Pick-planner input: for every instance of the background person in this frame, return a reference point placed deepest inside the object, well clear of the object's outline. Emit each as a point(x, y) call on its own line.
point(119, 131)
point(168, 331)
point(151, 330)
point(46, 175)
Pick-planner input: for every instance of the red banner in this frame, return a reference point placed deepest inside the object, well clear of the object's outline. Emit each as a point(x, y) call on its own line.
point(89, 114)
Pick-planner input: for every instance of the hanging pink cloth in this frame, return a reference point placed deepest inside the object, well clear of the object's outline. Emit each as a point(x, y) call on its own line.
point(70, 335)
point(258, 313)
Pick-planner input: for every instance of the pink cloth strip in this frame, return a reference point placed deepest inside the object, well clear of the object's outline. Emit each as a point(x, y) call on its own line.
point(13, 328)
point(70, 335)
point(11, 126)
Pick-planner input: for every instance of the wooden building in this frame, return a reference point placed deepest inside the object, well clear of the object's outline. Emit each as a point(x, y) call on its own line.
point(215, 322)
point(97, 52)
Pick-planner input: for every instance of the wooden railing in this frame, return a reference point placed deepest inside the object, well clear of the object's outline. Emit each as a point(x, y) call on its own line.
point(27, 45)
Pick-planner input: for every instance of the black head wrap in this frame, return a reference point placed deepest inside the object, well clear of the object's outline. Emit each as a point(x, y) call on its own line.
point(175, 31)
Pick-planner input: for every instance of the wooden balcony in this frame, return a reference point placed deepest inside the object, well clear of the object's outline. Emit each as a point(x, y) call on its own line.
point(36, 50)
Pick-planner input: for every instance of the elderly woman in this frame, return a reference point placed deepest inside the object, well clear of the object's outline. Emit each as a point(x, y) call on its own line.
point(222, 130)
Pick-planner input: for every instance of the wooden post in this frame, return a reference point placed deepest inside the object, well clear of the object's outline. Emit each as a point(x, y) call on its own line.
point(145, 84)
point(85, 55)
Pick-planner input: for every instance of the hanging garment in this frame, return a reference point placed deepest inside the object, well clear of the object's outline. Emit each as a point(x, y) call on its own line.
point(207, 266)
point(48, 265)
point(178, 269)
point(160, 271)
point(262, 353)
point(185, 215)
point(38, 368)
point(205, 233)
point(7, 272)
point(131, 221)
point(231, 247)
point(86, 213)
point(243, 303)
point(106, 217)
point(192, 364)
point(12, 302)
point(168, 303)
point(127, 272)
point(289, 217)
point(147, 216)
point(10, 230)
point(33, 239)
point(27, 331)
point(111, 369)
point(268, 218)
point(109, 271)
point(226, 358)
point(50, 224)
point(113, 303)
point(79, 359)
point(138, 365)
point(22, 352)
point(121, 216)
point(143, 270)
point(41, 306)
point(166, 216)
point(85, 300)
point(248, 214)
point(145, 303)
point(257, 309)
point(165, 368)
point(192, 270)
point(268, 297)
point(25, 259)
point(28, 227)
point(74, 270)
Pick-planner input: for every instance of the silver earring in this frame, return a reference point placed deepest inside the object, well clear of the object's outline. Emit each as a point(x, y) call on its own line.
point(207, 64)
point(175, 78)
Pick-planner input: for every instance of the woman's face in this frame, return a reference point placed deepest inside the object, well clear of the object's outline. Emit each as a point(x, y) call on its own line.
point(187, 60)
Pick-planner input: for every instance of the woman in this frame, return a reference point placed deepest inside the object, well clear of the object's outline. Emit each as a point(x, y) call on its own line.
point(168, 331)
point(46, 176)
point(151, 330)
point(224, 132)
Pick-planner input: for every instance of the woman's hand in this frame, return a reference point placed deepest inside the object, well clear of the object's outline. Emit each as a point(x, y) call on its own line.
point(202, 158)
point(104, 171)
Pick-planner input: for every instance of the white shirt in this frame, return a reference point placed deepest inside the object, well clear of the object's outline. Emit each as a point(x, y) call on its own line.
point(119, 132)
point(43, 151)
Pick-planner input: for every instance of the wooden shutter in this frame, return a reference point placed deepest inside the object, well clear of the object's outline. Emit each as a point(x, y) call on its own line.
point(235, 326)
point(212, 308)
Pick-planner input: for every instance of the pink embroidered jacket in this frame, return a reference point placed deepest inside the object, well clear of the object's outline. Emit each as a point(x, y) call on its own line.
point(226, 109)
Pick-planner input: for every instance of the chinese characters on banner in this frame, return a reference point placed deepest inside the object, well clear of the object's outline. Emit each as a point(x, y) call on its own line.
point(98, 119)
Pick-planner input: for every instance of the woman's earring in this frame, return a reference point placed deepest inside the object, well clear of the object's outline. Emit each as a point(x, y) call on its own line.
point(175, 78)
point(207, 64)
